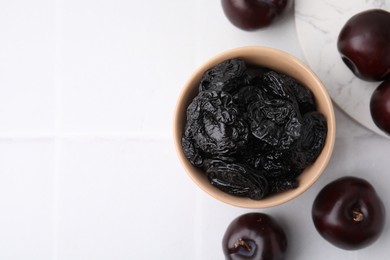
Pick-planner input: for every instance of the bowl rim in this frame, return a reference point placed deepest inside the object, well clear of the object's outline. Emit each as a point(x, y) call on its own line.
point(325, 154)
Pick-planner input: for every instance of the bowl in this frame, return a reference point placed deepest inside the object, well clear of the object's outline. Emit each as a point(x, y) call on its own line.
point(279, 61)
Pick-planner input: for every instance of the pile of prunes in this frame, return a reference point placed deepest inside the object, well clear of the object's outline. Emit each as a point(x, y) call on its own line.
point(252, 130)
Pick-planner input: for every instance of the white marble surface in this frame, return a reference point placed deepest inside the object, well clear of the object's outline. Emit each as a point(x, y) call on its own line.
point(318, 26)
point(87, 164)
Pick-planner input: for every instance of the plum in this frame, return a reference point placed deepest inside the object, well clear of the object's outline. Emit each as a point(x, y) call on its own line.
point(254, 236)
point(251, 15)
point(364, 44)
point(380, 106)
point(348, 213)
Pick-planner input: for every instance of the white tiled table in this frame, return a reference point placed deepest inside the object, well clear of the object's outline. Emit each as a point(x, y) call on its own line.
point(87, 164)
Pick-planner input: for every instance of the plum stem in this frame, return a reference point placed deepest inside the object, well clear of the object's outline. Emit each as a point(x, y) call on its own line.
point(242, 242)
point(244, 247)
point(357, 216)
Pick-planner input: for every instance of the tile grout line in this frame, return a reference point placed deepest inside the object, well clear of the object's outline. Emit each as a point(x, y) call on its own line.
point(57, 134)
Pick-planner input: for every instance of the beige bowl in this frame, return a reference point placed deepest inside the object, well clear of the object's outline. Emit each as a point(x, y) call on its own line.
point(281, 62)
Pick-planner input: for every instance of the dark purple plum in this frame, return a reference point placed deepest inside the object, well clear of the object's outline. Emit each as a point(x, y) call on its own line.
point(364, 44)
point(254, 236)
point(251, 15)
point(380, 106)
point(348, 213)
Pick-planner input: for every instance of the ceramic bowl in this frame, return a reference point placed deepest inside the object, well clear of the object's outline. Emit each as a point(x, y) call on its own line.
point(284, 63)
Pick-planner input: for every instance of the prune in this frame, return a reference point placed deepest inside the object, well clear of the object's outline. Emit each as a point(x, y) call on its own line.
point(282, 86)
point(303, 96)
point(275, 86)
point(275, 163)
point(237, 179)
point(312, 139)
point(280, 185)
point(190, 151)
point(275, 122)
point(252, 129)
point(213, 127)
point(247, 95)
point(254, 74)
point(224, 76)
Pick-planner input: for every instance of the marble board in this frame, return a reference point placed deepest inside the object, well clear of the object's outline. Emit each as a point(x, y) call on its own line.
point(318, 24)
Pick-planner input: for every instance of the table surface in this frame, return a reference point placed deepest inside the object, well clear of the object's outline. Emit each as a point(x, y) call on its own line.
point(88, 168)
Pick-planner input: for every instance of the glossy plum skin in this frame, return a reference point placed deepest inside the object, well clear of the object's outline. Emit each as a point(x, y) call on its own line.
point(364, 46)
point(254, 236)
point(251, 15)
point(348, 213)
point(380, 106)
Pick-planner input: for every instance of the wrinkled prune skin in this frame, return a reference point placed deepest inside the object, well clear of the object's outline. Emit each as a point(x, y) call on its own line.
point(213, 127)
point(237, 179)
point(247, 95)
point(312, 140)
point(252, 130)
point(303, 95)
point(275, 163)
point(190, 151)
point(275, 122)
point(274, 84)
point(225, 76)
point(283, 86)
point(280, 185)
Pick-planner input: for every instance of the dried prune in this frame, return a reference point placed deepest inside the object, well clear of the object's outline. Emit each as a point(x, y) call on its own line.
point(312, 140)
point(247, 95)
point(275, 86)
point(303, 96)
point(252, 130)
point(280, 185)
point(275, 163)
point(283, 86)
point(224, 77)
point(254, 74)
point(237, 179)
point(275, 122)
point(191, 152)
point(213, 127)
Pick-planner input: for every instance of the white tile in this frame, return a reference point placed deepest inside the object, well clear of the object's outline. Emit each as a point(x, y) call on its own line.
point(27, 199)
point(27, 59)
point(124, 200)
point(123, 64)
point(346, 127)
